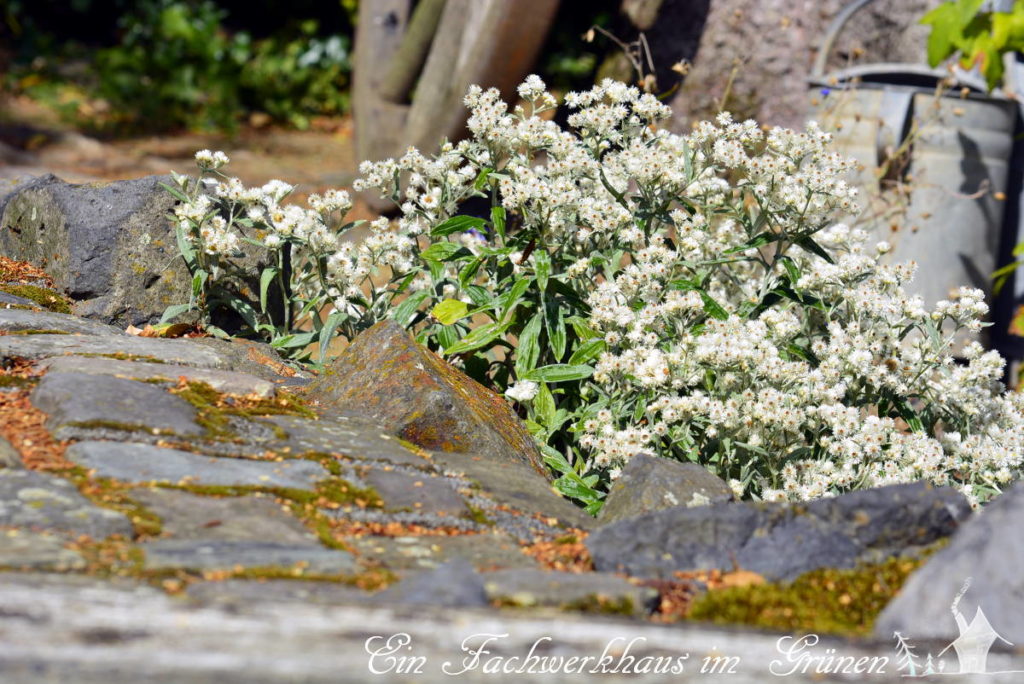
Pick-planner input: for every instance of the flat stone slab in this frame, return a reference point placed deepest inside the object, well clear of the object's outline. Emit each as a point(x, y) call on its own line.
point(983, 561)
point(21, 550)
point(184, 352)
point(35, 501)
point(482, 551)
point(255, 517)
point(59, 629)
point(453, 584)
point(240, 592)
point(9, 456)
point(223, 381)
point(421, 493)
point(192, 554)
point(7, 299)
point(81, 400)
point(14, 320)
point(591, 592)
point(355, 437)
point(131, 462)
point(780, 541)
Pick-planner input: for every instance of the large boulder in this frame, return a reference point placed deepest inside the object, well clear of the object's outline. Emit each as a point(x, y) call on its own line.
point(108, 245)
point(989, 554)
point(649, 483)
point(414, 394)
point(780, 541)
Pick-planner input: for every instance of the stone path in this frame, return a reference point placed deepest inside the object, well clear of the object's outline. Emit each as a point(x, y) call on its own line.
point(177, 533)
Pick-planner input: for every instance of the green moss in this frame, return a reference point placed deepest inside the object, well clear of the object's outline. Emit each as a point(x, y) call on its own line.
point(823, 601)
point(38, 331)
point(602, 605)
point(16, 381)
point(122, 356)
point(478, 516)
point(214, 409)
point(116, 495)
point(50, 300)
point(102, 424)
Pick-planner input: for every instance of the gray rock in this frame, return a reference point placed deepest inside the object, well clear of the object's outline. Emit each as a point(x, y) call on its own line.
point(146, 463)
point(422, 493)
point(414, 394)
point(8, 300)
point(13, 320)
point(244, 518)
point(780, 542)
point(453, 584)
point(254, 358)
point(238, 593)
point(9, 456)
point(483, 551)
point(71, 399)
point(989, 552)
point(220, 380)
point(649, 483)
point(590, 592)
point(39, 502)
point(349, 436)
point(183, 352)
point(108, 245)
point(216, 554)
point(29, 551)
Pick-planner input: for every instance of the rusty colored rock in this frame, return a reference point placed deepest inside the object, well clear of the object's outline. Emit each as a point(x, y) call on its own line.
point(417, 396)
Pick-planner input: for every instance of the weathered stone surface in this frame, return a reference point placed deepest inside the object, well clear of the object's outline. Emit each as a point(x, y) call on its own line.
point(30, 551)
point(649, 483)
point(7, 300)
point(592, 591)
point(238, 593)
point(217, 554)
point(13, 320)
point(414, 394)
point(9, 456)
point(71, 399)
point(220, 380)
point(254, 358)
point(483, 551)
point(146, 463)
point(245, 518)
point(48, 503)
point(779, 541)
point(514, 484)
point(424, 493)
point(183, 352)
point(453, 584)
point(989, 551)
point(59, 628)
point(350, 436)
point(108, 245)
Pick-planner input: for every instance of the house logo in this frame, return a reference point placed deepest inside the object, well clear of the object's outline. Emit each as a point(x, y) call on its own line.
point(971, 648)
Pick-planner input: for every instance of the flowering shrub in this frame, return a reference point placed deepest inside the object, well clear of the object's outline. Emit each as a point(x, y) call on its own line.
point(635, 291)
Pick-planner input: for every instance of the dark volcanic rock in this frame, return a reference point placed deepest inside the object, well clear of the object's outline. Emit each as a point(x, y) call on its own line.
point(780, 541)
point(649, 483)
point(108, 245)
point(989, 551)
point(71, 399)
point(35, 501)
point(414, 394)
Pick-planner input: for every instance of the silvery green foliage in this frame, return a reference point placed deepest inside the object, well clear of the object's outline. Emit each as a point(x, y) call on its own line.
point(635, 291)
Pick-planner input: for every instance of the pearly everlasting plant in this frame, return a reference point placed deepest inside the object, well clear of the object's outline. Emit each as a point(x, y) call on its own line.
point(635, 291)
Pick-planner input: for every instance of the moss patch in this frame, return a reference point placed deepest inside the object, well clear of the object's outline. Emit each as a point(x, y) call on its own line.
point(17, 381)
point(833, 601)
point(51, 300)
point(215, 408)
point(37, 331)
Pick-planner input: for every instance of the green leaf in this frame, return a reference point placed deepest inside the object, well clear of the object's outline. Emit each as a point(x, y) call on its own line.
point(457, 224)
point(582, 329)
point(481, 179)
point(293, 341)
point(444, 251)
point(404, 311)
point(186, 249)
point(175, 192)
point(469, 271)
point(554, 322)
point(529, 345)
point(559, 372)
point(498, 219)
point(327, 332)
point(449, 311)
point(266, 278)
point(544, 405)
point(446, 335)
point(542, 267)
point(175, 310)
point(198, 281)
point(587, 351)
point(508, 301)
point(243, 309)
point(713, 308)
point(479, 337)
point(808, 243)
point(480, 296)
